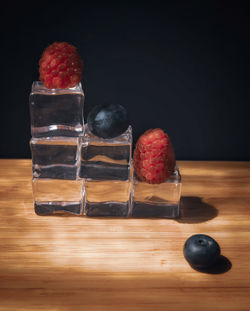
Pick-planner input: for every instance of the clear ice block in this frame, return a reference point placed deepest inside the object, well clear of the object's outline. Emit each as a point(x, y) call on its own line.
point(56, 112)
point(157, 200)
point(57, 196)
point(106, 159)
point(56, 157)
point(107, 198)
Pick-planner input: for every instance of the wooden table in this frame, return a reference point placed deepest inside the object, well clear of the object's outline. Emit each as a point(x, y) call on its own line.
point(78, 263)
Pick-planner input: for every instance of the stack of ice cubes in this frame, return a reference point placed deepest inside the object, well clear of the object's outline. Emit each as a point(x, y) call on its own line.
point(56, 128)
point(77, 172)
point(106, 168)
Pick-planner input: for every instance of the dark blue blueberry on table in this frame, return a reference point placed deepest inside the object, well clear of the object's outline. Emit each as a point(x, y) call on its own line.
point(201, 251)
point(108, 120)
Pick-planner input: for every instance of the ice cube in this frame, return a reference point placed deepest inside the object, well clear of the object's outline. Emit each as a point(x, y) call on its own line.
point(56, 157)
point(57, 196)
point(107, 198)
point(106, 159)
point(56, 112)
point(157, 200)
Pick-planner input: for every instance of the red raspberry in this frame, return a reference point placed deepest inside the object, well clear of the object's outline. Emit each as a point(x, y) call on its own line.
point(60, 66)
point(154, 158)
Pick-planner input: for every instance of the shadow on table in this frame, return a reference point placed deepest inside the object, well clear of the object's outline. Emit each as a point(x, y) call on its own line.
point(194, 210)
point(222, 265)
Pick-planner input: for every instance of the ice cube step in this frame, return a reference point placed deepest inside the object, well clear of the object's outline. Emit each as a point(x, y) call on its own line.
point(58, 196)
point(106, 159)
point(56, 112)
point(157, 200)
point(107, 198)
point(56, 157)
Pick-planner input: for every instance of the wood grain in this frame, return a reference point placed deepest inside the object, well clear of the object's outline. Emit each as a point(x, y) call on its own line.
point(78, 263)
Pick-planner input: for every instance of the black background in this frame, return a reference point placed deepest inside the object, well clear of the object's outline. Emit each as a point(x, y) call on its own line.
point(179, 65)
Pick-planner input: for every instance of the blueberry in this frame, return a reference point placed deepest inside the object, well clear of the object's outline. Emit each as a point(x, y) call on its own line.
point(108, 120)
point(201, 251)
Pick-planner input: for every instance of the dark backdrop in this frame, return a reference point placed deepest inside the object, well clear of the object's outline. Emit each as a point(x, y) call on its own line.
point(179, 65)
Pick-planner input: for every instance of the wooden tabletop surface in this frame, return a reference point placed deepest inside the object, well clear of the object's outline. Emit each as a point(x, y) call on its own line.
point(79, 263)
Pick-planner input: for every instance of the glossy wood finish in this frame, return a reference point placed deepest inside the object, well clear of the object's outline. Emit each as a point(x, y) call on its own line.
point(78, 263)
